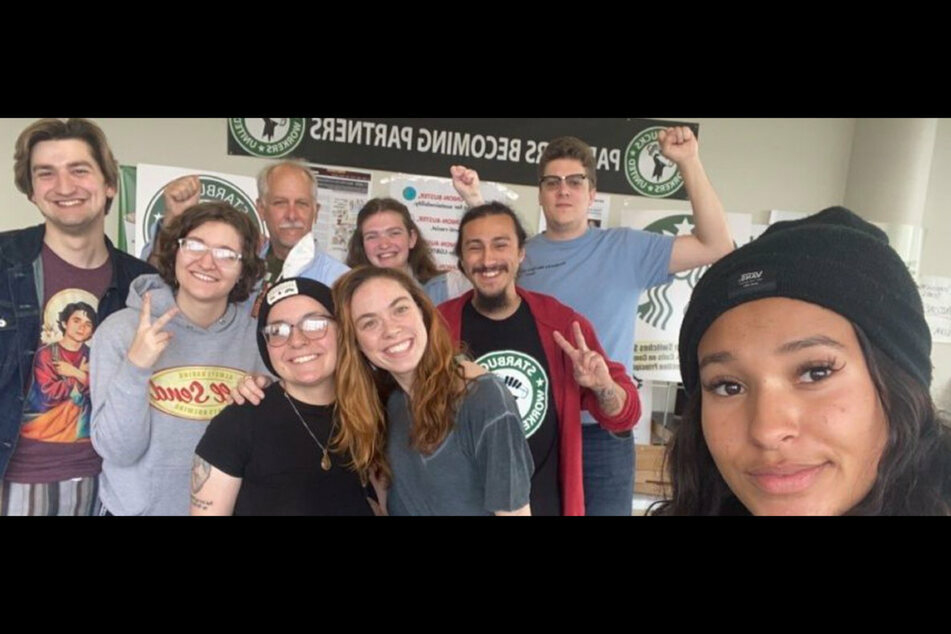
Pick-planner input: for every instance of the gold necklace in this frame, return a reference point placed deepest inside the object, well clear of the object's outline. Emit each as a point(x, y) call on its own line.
point(325, 463)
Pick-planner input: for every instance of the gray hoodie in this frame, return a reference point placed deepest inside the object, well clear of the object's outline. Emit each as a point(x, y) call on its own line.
point(146, 423)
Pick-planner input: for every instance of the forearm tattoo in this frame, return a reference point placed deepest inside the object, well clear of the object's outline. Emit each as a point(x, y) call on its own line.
point(608, 400)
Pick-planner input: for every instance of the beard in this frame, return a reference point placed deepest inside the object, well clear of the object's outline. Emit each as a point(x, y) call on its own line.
point(490, 303)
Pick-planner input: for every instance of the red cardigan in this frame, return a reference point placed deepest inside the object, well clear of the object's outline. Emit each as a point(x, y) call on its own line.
point(551, 315)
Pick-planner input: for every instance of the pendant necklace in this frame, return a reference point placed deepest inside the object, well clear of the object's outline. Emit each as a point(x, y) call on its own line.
point(325, 463)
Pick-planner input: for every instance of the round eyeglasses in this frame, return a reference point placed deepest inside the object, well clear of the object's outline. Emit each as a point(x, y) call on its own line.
point(196, 249)
point(313, 327)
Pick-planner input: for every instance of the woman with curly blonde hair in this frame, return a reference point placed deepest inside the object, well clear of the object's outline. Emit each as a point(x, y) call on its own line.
point(444, 433)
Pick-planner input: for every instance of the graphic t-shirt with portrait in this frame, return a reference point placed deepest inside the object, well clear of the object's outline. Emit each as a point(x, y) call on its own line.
point(54, 440)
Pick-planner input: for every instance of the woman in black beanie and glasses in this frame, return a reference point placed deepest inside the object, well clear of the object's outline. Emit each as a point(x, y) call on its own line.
point(806, 359)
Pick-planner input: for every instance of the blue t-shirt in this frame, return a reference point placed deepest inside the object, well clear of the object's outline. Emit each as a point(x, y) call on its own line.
point(324, 269)
point(601, 275)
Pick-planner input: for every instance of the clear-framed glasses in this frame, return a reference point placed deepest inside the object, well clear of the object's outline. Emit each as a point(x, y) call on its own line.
point(553, 183)
point(313, 326)
point(195, 248)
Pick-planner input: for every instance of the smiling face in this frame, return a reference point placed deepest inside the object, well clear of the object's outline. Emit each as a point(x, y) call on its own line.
point(201, 278)
point(789, 410)
point(79, 327)
point(490, 258)
point(303, 363)
point(386, 240)
point(289, 208)
point(68, 186)
point(389, 327)
point(566, 206)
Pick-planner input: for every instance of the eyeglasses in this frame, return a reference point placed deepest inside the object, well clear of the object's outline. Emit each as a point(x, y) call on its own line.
point(196, 249)
point(313, 326)
point(553, 183)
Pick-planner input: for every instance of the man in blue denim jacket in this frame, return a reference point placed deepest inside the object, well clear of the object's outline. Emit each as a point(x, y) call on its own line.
point(58, 281)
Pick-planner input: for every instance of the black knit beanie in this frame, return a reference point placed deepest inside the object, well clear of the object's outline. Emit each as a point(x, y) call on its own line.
point(282, 290)
point(833, 259)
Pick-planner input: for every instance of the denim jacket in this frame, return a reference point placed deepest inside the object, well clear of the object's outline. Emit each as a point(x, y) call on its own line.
point(21, 294)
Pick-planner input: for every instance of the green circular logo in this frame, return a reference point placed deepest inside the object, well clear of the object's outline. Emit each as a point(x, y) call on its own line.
point(659, 309)
point(526, 381)
point(648, 171)
point(212, 189)
point(267, 137)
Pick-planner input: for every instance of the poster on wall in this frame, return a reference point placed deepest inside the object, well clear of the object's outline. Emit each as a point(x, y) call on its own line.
point(437, 208)
point(661, 309)
point(936, 297)
point(506, 150)
point(341, 194)
point(238, 191)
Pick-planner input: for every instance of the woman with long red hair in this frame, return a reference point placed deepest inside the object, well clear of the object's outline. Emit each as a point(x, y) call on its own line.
point(442, 431)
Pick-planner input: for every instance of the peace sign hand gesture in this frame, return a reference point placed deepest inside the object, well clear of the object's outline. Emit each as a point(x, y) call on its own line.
point(150, 340)
point(590, 368)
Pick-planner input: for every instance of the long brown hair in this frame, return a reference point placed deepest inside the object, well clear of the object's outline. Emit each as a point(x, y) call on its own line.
point(362, 390)
point(420, 260)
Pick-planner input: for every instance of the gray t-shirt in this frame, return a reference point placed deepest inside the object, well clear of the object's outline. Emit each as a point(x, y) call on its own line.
point(484, 465)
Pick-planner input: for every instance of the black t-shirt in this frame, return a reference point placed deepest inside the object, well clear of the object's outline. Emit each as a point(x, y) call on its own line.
point(279, 463)
point(512, 350)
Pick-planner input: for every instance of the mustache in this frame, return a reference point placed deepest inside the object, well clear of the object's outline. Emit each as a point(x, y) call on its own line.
point(296, 224)
point(487, 269)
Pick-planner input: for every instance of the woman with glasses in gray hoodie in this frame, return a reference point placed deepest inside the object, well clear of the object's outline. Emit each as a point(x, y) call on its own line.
point(164, 366)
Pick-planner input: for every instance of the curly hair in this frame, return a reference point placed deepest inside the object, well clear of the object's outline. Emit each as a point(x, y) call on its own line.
point(362, 390)
point(166, 244)
point(58, 130)
point(420, 261)
point(914, 471)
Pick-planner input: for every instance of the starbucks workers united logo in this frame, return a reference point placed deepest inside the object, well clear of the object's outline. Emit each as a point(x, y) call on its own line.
point(659, 308)
point(267, 137)
point(526, 381)
point(648, 171)
point(212, 189)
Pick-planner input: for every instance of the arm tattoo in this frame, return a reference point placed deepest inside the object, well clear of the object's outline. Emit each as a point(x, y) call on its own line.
point(607, 399)
point(201, 471)
point(202, 505)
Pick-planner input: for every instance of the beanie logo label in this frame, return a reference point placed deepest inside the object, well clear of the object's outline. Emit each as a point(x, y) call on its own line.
point(752, 283)
point(281, 291)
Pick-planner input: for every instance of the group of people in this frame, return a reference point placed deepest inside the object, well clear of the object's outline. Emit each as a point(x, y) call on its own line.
point(386, 386)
